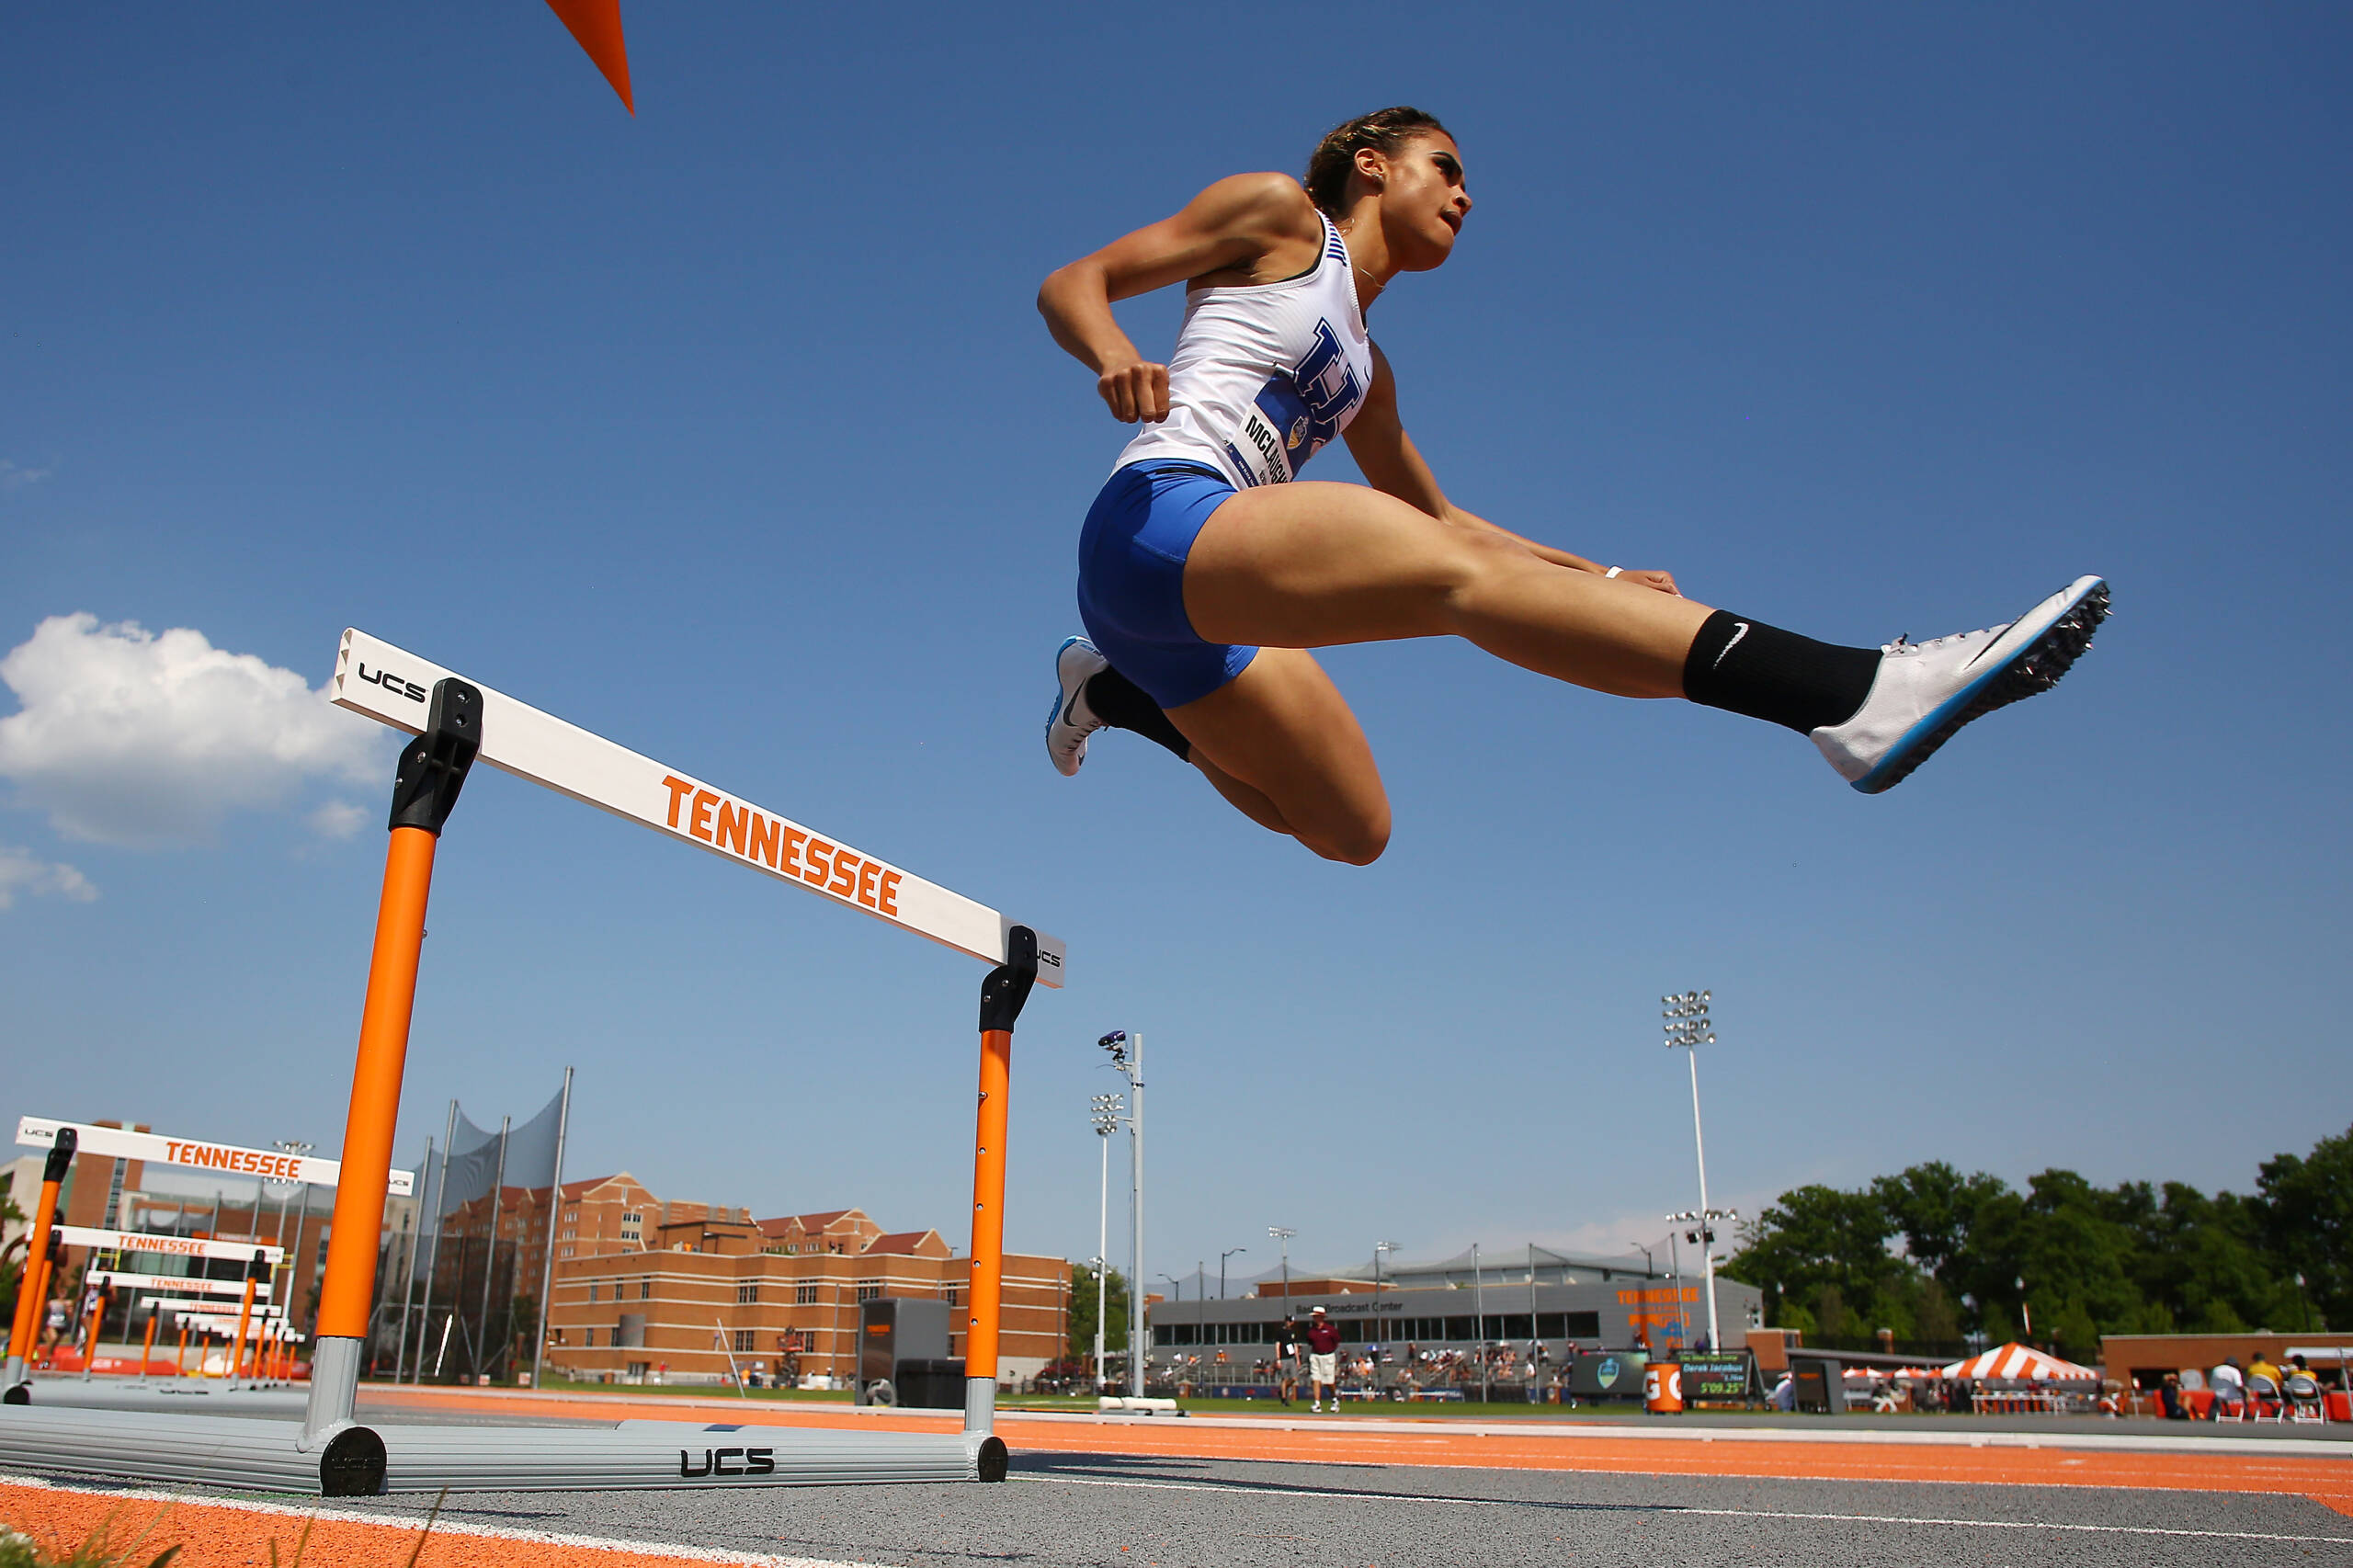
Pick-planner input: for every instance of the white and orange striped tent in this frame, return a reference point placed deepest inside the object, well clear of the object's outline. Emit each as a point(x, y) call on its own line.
point(2022, 1363)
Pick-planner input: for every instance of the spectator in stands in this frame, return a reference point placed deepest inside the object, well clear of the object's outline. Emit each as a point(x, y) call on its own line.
point(2264, 1386)
point(2230, 1389)
point(1324, 1358)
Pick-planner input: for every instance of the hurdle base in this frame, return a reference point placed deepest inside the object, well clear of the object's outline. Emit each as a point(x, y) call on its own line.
point(176, 1396)
point(357, 1461)
point(334, 1388)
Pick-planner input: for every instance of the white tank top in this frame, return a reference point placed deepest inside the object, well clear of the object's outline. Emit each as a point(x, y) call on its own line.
point(1264, 373)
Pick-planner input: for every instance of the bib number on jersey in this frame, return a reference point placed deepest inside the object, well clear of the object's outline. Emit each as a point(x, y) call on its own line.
point(1294, 415)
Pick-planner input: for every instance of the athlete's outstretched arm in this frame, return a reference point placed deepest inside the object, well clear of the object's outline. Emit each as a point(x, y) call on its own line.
point(1228, 228)
point(1394, 466)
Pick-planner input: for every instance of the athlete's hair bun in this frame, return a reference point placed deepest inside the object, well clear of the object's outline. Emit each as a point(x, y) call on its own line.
point(1383, 130)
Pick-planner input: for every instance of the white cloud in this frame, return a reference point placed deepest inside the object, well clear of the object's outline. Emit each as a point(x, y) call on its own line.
point(132, 737)
point(337, 819)
point(14, 477)
point(22, 872)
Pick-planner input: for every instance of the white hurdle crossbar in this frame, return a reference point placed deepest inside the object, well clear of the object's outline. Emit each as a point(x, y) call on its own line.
point(158, 1149)
point(385, 683)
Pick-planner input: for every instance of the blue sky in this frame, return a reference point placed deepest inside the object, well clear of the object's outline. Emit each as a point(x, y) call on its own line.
point(729, 431)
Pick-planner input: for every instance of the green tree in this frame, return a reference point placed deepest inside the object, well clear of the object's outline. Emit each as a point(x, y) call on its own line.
point(1815, 1239)
point(1935, 1208)
point(2075, 1334)
point(1936, 1316)
point(2305, 1210)
point(1830, 1315)
point(1082, 1312)
point(2083, 1260)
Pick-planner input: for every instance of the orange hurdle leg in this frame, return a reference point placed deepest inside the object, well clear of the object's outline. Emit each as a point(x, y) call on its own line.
point(432, 770)
point(1002, 995)
point(32, 1293)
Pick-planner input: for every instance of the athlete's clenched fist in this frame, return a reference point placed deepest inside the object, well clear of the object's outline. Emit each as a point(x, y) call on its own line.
point(1136, 392)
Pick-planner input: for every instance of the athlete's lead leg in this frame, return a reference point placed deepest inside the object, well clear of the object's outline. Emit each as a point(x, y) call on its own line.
point(1311, 565)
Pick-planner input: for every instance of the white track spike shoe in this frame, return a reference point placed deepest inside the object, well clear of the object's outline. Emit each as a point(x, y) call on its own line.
point(1924, 691)
point(1070, 720)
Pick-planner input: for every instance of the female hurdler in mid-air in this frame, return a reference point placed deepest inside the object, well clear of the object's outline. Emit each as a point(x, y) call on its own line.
point(1206, 573)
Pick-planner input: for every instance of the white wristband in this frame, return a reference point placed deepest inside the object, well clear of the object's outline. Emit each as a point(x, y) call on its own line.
point(1613, 570)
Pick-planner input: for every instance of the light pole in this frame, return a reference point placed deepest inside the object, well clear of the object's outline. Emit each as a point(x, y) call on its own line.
point(1479, 1316)
point(1650, 1268)
point(1374, 1339)
point(1703, 1232)
point(297, 1148)
point(2026, 1310)
point(1220, 1268)
point(1686, 1024)
point(1106, 1112)
point(1675, 1276)
point(1127, 1056)
point(1283, 1233)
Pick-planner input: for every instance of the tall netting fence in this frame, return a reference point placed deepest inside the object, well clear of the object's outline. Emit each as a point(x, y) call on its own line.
point(463, 1299)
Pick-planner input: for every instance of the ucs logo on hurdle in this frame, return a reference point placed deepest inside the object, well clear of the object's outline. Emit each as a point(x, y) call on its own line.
point(394, 684)
point(756, 1461)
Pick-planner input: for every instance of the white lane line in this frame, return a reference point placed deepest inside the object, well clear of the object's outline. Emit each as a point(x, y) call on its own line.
point(443, 1525)
point(1672, 1510)
point(1286, 1492)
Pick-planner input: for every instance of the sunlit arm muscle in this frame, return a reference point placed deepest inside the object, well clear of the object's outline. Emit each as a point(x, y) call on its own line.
point(1377, 440)
point(1227, 228)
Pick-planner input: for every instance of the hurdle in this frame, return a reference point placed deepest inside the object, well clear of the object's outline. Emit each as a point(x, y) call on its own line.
point(76, 1137)
point(458, 722)
point(258, 1284)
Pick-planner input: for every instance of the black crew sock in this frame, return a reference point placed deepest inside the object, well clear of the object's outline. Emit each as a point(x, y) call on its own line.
point(1746, 666)
point(1123, 704)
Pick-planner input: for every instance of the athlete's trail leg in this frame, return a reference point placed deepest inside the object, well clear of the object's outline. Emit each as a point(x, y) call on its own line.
point(1251, 802)
point(1280, 742)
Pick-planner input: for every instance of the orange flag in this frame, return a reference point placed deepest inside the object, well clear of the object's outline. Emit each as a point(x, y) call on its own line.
point(596, 26)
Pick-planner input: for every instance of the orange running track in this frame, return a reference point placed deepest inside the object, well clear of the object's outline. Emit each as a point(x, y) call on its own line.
point(238, 1535)
point(1966, 1457)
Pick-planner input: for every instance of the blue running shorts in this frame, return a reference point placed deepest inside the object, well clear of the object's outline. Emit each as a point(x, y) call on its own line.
point(1132, 580)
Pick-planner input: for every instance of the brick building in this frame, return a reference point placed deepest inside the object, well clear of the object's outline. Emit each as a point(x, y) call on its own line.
point(783, 1292)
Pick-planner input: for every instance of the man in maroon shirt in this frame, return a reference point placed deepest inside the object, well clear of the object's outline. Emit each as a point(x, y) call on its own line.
point(1324, 1356)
